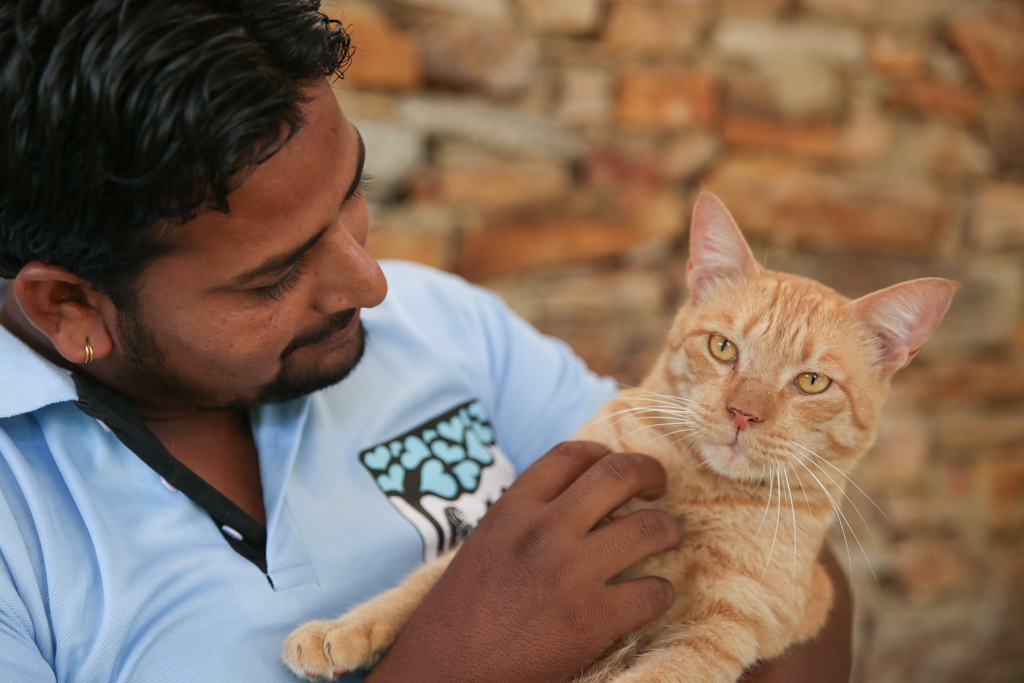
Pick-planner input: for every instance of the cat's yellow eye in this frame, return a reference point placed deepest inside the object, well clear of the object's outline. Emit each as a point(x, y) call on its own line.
point(813, 382)
point(722, 349)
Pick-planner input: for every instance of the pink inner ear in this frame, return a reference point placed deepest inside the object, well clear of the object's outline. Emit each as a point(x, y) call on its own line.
point(718, 250)
point(905, 316)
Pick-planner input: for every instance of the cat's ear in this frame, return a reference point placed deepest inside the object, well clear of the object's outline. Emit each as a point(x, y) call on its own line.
point(904, 316)
point(717, 248)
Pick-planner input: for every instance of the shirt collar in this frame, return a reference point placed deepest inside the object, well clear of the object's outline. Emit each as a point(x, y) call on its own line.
point(28, 381)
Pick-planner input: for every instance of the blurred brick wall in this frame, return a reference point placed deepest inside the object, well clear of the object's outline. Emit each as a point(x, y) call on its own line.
point(551, 150)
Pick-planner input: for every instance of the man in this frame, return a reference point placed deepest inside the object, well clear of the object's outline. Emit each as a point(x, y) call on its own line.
point(215, 422)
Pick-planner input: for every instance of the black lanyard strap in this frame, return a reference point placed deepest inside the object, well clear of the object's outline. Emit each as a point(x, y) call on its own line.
point(102, 403)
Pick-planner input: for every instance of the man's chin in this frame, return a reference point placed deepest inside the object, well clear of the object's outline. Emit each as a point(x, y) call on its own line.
point(291, 384)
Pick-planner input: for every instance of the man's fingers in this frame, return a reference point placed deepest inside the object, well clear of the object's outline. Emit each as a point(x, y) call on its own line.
point(553, 472)
point(606, 485)
point(636, 602)
point(622, 543)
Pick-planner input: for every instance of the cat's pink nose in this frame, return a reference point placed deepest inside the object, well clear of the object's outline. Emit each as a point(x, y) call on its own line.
point(743, 418)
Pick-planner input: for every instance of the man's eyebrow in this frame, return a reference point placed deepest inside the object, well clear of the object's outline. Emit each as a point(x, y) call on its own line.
point(278, 263)
point(361, 161)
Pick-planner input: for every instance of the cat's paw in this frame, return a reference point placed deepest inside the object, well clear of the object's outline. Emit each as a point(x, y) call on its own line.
point(330, 648)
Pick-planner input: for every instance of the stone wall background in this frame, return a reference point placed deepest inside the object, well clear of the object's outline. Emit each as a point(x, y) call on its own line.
point(551, 150)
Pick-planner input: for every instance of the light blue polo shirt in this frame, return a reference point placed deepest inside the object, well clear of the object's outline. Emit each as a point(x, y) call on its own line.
point(109, 573)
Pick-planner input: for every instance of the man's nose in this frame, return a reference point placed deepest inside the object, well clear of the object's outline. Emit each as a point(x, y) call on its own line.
point(351, 278)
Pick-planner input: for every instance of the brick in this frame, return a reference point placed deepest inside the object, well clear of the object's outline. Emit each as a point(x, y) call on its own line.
point(655, 28)
point(862, 12)
point(421, 233)
point(796, 205)
point(576, 305)
point(927, 567)
point(997, 221)
point(470, 178)
point(991, 43)
point(570, 17)
point(481, 9)
point(1004, 487)
point(756, 40)
point(814, 139)
point(365, 104)
point(868, 134)
point(913, 14)
point(984, 315)
point(970, 430)
point(938, 152)
point(757, 8)
point(394, 154)
point(632, 160)
point(930, 637)
point(900, 53)
point(385, 57)
point(986, 310)
point(585, 97)
point(587, 226)
point(987, 381)
point(501, 128)
point(937, 98)
point(689, 154)
point(1004, 129)
point(665, 98)
point(900, 456)
point(493, 58)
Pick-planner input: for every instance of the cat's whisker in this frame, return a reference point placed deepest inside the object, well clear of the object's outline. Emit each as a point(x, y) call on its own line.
point(771, 488)
point(806, 499)
point(677, 417)
point(778, 519)
point(690, 435)
point(846, 541)
point(685, 430)
point(840, 487)
point(662, 400)
point(850, 479)
point(655, 394)
point(664, 407)
point(792, 510)
point(653, 427)
point(641, 410)
point(844, 518)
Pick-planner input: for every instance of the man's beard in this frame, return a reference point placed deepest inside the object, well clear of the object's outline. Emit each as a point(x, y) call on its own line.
point(147, 358)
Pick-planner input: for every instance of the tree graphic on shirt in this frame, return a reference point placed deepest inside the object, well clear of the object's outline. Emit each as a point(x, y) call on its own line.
point(444, 458)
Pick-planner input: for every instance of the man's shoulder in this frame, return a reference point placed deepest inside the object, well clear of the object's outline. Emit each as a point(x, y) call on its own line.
point(436, 298)
point(411, 279)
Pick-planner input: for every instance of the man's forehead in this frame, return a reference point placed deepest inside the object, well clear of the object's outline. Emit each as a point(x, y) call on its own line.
point(285, 197)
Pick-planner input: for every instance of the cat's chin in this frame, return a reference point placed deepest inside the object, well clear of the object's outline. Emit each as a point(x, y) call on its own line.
point(731, 460)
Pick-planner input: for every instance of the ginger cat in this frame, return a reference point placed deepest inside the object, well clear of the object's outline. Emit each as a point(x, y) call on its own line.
point(766, 396)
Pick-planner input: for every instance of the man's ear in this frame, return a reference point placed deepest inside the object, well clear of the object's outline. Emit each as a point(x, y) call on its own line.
point(64, 309)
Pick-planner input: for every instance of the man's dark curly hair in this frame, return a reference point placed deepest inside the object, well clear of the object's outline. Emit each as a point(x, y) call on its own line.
point(122, 115)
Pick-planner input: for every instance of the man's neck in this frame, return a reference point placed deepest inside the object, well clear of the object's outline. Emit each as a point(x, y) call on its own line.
point(215, 444)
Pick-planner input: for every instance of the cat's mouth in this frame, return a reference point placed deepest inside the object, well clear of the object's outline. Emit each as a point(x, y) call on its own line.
point(732, 460)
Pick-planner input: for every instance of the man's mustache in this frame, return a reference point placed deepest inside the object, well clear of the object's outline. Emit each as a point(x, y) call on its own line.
point(336, 323)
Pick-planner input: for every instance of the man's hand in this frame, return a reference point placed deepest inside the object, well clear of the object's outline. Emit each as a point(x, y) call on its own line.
point(527, 597)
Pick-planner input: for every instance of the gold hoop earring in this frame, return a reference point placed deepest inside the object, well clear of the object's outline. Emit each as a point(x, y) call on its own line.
point(89, 356)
